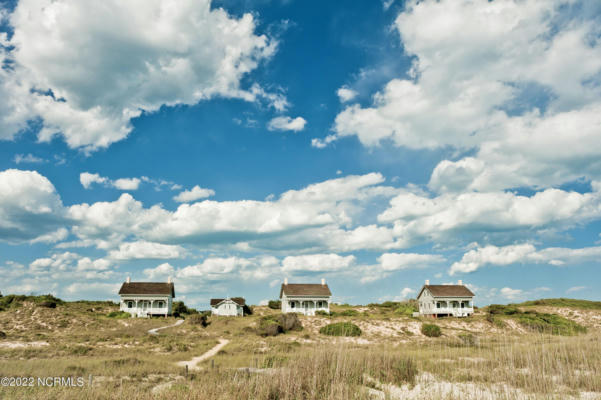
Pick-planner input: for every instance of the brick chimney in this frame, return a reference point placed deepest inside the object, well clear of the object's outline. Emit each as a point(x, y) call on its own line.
point(285, 281)
point(128, 280)
point(427, 281)
point(323, 282)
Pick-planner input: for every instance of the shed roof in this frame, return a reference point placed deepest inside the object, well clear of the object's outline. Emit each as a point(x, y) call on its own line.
point(448, 291)
point(305, 289)
point(238, 300)
point(148, 288)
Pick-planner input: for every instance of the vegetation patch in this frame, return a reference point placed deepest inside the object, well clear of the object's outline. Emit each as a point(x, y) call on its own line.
point(274, 304)
point(431, 330)
point(341, 329)
point(549, 323)
point(118, 314)
point(2, 335)
point(563, 302)
point(199, 319)
point(273, 325)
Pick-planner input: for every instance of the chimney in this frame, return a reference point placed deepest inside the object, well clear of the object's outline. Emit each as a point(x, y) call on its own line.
point(285, 281)
point(323, 282)
point(168, 279)
point(128, 280)
point(460, 282)
point(427, 281)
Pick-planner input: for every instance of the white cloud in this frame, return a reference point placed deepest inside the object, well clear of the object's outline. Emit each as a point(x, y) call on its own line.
point(129, 57)
point(418, 218)
point(511, 294)
point(576, 289)
point(193, 194)
point(345, 94)
point(127, 183)
point(146, 250)
point(87, 179)
point(30, 208)
point(522, 253)
point(317, 263)
point(28, 158)
point(161, 271)
point(399, 261)
point(287, 124)
point(406, 292)
point(502, 78)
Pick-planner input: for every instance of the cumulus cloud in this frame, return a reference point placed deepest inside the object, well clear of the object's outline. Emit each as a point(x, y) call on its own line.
point(30, 208)
point(317, 263)
point(286, 123)
point(164, 270)
point(146, 250)
point(345, 94)
point(418, 218)
point(193, 194)
point(87, 180)
point(511, 294)
point(522, 253)
point(129, 57)
point(398, 261)
point(502, 78)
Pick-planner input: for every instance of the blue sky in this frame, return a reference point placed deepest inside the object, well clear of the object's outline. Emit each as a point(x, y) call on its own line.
point(232, 144)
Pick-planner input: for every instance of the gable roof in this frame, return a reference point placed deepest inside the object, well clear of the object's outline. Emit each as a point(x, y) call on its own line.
point(447, 291)
point(148, 288)
point(238, 300)
point(305, 289)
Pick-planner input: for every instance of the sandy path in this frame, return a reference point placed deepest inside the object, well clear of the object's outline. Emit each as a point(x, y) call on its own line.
point(192, 363)
point(155, 330)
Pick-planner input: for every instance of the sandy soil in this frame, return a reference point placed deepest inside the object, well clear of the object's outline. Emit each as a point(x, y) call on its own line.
point(192, 363)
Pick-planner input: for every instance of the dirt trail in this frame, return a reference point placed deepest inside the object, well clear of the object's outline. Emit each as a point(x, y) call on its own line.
point(192, 363)
point(155, 330)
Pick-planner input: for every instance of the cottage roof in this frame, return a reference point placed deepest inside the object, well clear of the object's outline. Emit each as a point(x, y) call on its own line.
point(305, 289)
point(448, 291)
point(148, 288)
point(238, 300)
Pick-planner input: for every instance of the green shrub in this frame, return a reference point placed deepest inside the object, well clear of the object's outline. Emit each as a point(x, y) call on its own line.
point(322, 313)
point(431, 330)
point(468, 339)
point(563, 302)
point(118, 314)
point(272, 325)
point(47, 304)
point(199, 319)
point(274, 304)
point(550, 323)
point(341, 329)
point(179, 309)
point(504, 310)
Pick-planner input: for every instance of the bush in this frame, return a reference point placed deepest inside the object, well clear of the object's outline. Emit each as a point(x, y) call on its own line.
point(47, 304)
point(348, 313)
point(431, 330)
point(199, 319)
point(269, 327)
point(274, 304)
point(118, 314)
point(550, 323)
point(290, 322)
point(322, 313)
point(341, 329)
point(468, 339)
point(2, 335)
point(272, 325)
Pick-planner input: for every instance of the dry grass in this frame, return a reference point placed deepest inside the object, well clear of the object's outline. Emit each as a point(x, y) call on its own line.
point(392, 359)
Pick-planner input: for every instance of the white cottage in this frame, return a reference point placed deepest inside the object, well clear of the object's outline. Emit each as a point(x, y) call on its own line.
point(305, 298)
point(445, 300)
point(145, 299)
point(233, 307)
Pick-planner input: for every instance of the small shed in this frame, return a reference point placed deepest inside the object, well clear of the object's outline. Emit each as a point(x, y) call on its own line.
point(228, 307)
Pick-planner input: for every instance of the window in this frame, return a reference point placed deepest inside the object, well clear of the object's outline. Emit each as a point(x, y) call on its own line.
point(160, 304)
point(291, 304)
point(437, 304)
point(130, 304)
